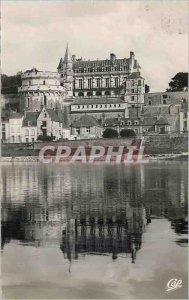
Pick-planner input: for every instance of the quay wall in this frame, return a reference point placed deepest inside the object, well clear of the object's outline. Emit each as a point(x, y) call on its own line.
point(155, 144)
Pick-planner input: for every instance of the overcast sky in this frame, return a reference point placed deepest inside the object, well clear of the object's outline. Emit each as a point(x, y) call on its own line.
point(35, 33)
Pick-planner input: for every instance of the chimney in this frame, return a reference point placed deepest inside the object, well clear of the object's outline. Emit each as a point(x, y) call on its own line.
point(73, 57)
point(112, 56)
point(132, 55)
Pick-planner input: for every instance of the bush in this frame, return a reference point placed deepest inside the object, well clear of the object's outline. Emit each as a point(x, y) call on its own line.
point(127, 133)
point(110, 133)
point(45, 138)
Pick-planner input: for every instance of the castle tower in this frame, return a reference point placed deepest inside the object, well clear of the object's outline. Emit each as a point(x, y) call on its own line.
point(65, 68)
point(41, 89)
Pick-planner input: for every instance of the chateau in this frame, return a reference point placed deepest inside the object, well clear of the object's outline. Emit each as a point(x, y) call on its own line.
point(84, 97)
point(88, 78)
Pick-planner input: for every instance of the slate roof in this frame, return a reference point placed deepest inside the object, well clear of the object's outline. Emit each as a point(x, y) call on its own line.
point(135, 75)
point(115, 121)
point(162, 121)
point(91, 100)
point(53, 115)
point(15, 115)
point(149, 121)
point(31, 116)
point(86, 121)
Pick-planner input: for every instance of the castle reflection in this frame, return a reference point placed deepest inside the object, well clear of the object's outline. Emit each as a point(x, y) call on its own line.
point(91, 211)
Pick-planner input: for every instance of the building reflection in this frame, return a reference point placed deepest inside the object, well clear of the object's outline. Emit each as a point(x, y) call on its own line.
point(90, 211)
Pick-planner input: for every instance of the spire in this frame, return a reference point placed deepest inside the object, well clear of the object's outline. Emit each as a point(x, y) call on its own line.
point(67, 56)
point(60, 63)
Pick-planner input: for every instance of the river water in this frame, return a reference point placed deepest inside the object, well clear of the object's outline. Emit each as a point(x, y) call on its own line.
point(100, 231)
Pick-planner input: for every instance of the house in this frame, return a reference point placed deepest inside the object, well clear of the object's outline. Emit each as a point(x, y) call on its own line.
point(29, 128)
point(162, 125)
point(123, 123)
point(15, 127)
point(86, 127)
point(49, 124)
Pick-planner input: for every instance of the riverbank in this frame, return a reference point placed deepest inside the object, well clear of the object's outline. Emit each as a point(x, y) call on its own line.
point(21, 159)
point(164, 146)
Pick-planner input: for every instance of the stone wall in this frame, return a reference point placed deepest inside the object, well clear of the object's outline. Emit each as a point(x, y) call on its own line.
point(162, 144)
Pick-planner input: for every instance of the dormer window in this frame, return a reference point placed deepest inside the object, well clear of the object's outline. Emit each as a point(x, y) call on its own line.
point(29, 123)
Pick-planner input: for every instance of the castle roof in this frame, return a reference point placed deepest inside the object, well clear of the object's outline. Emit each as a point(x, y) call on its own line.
point(135, 75)
point(102, 100)
point(86, 121)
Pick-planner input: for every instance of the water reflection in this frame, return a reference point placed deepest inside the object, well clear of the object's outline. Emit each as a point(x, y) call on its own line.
point(99, 210)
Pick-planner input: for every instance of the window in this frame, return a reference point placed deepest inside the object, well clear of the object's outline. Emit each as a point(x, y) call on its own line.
point(107, 93)
point(132, 98)
point(110, 105)
point(116, 81)
point(139, 82)
point(101, 106)
point(149, 102)
point(29, 82)
point(45, 115)
point(80, 94)
point(3, 127)
point(98, 93)
point(45, 100)
point(26, 132)
point(29, 123)
point(78, 130)
point(107, 82)
point(105, 105)
point(44, 82)
point(114, 105)
point(90, 83)
point(164, 101)
point(89, 94)
point(28, 102)
point(44, 123)
point(32, 140)
point(78, 107)
point(61, 75)
point(80, 83)
point(119, 105)
point(33, 132)
point(88, 129)
point(98, 82)
point(27, 140)
point(96, 106)
point(164, 96)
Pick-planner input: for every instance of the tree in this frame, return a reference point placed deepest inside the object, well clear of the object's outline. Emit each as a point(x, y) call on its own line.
point(127, 133)
point(10, 84)
point(110, 133)
point(45, 138)
point(147, 88)
point(178, 82)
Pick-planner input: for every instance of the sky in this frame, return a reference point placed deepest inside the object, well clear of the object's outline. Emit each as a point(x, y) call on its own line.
point(35, 34)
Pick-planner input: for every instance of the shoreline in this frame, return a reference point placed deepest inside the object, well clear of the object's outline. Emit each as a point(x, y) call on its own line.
point(156, 157)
